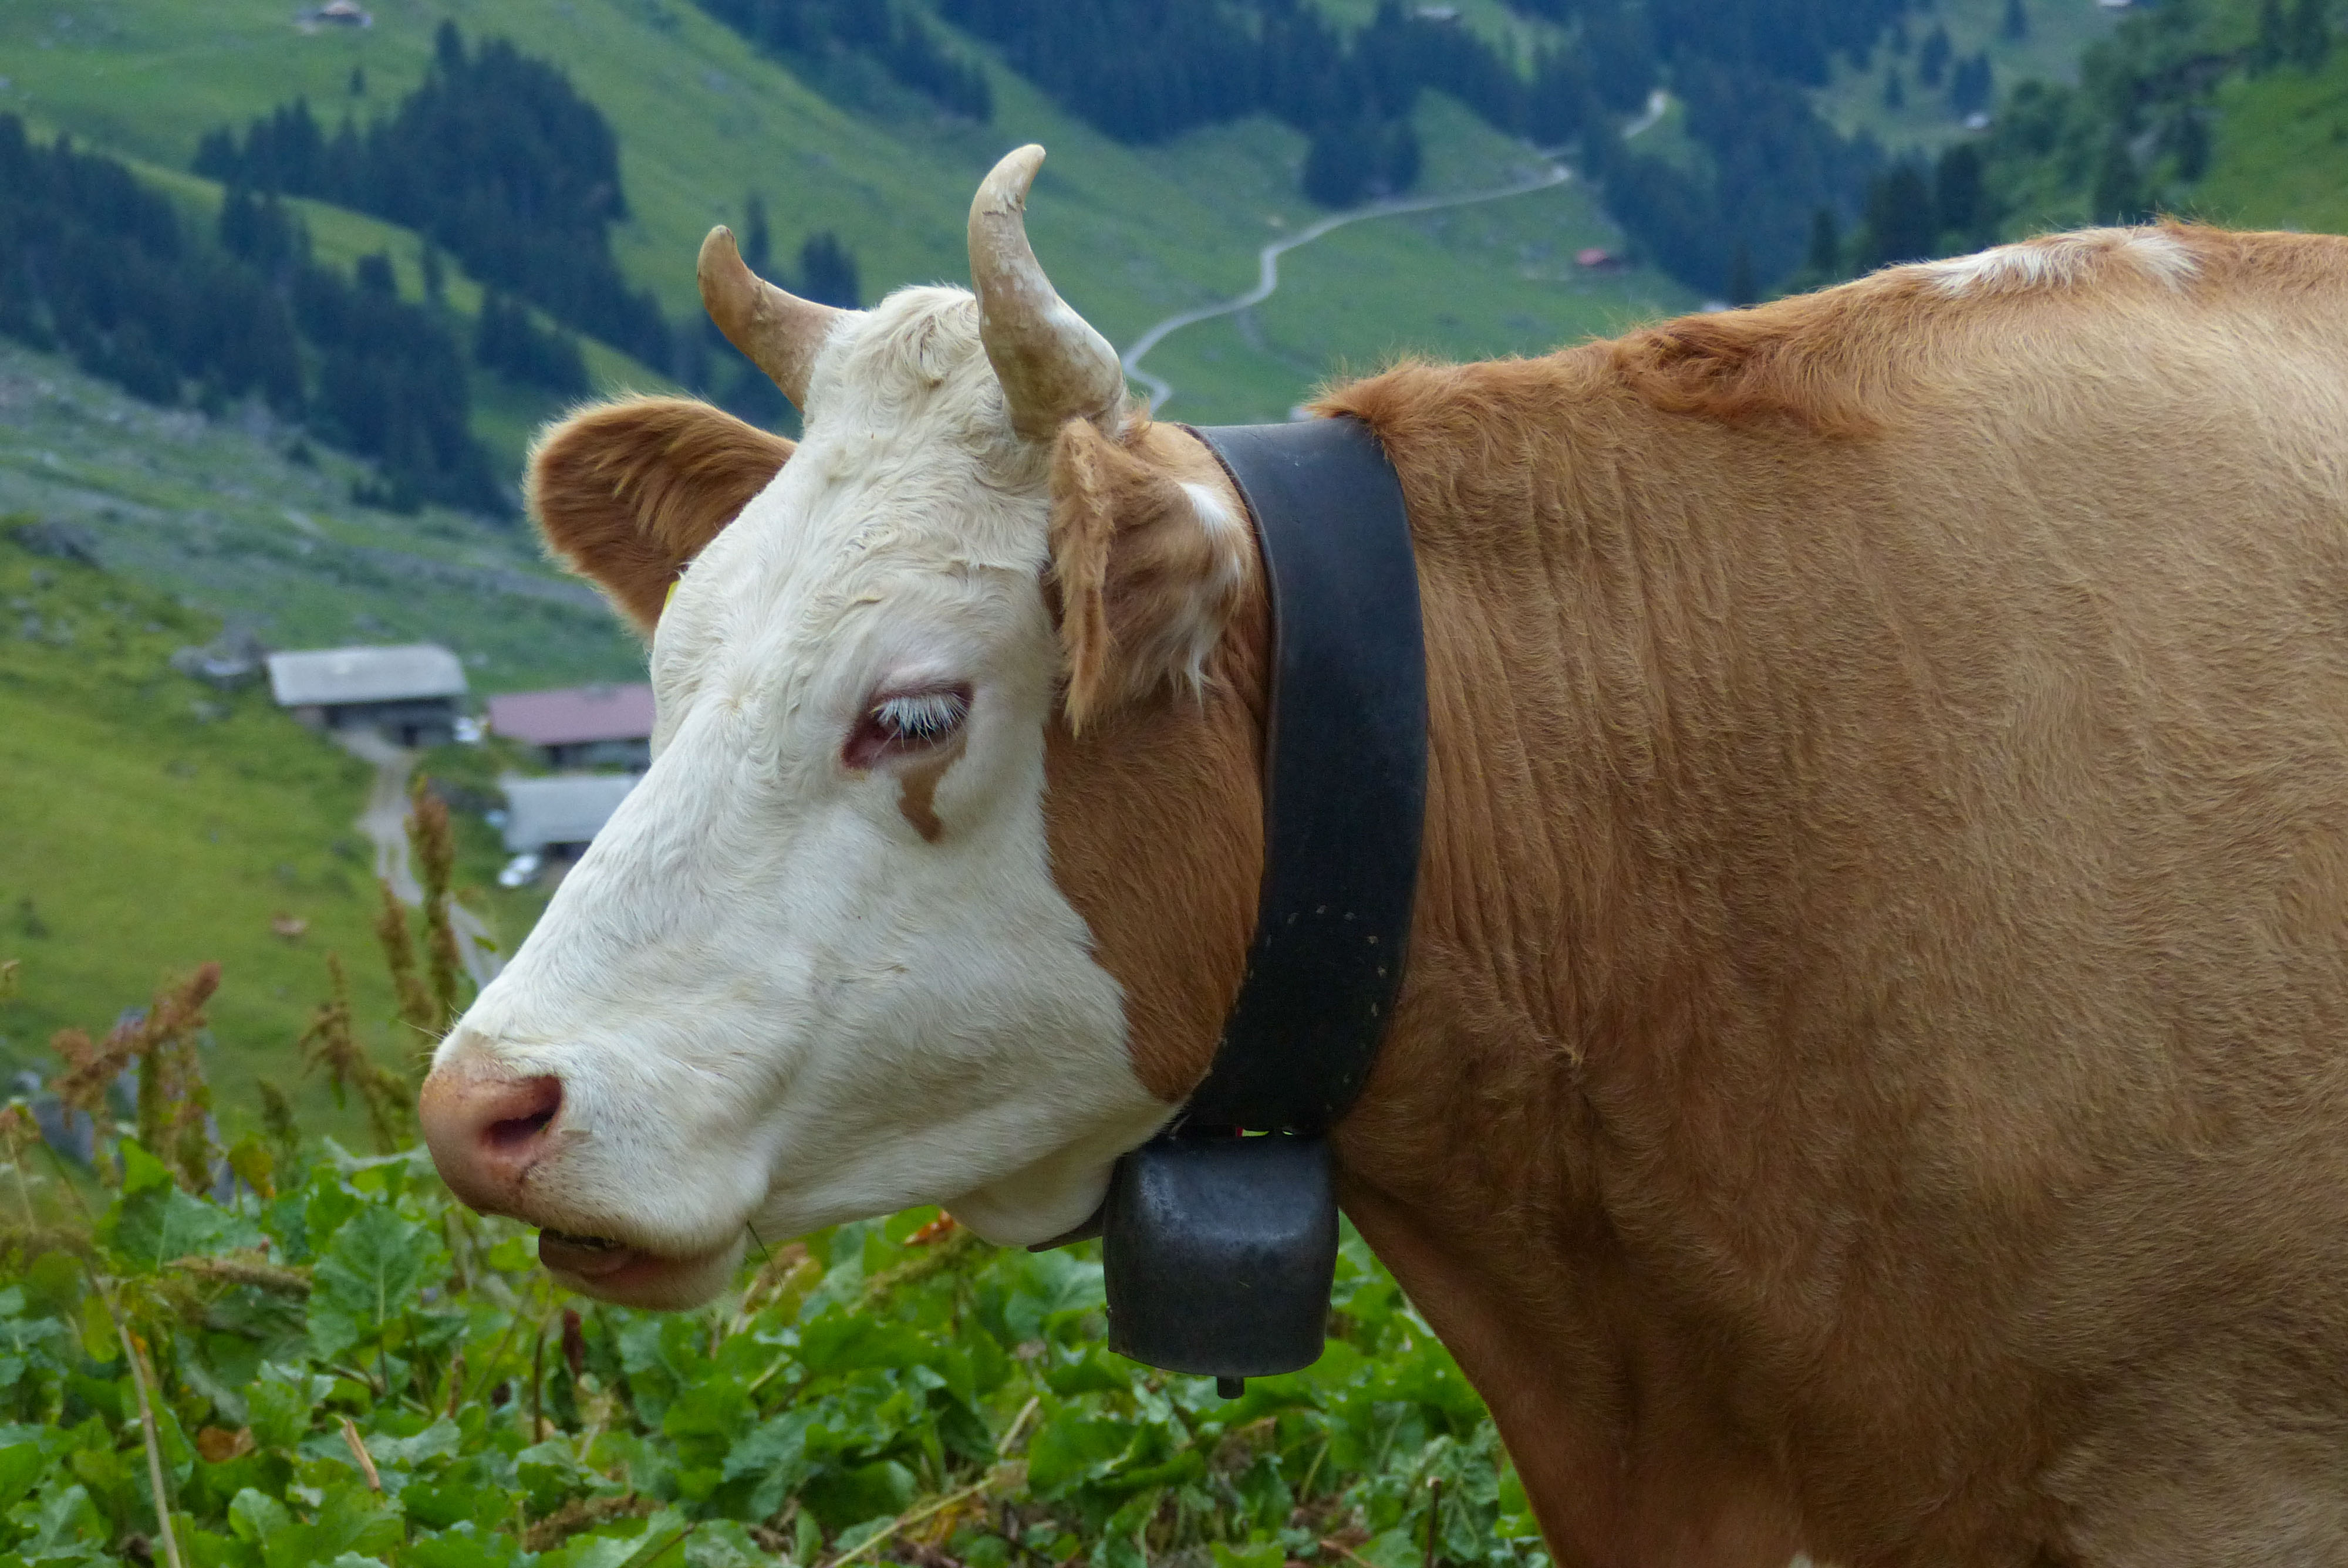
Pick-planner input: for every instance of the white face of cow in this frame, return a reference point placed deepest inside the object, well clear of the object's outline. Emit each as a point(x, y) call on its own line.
point(817, 967)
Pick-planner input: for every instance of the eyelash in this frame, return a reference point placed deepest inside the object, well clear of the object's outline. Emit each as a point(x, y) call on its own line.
point(910, 721)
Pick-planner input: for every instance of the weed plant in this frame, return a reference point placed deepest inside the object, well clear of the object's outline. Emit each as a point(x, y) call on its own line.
point(285, 1353)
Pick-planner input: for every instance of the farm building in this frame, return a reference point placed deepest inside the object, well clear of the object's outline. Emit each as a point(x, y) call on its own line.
point(550, 820)
point(581, 726)
point(411, 694)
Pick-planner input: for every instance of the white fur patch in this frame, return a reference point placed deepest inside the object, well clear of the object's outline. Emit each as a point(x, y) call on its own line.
point(771, 1002)
point(1230, 536)
point(2062, 260)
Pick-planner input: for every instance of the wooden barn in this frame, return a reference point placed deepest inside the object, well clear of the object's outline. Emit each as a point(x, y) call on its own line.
point(604, 726)
point(412, 694)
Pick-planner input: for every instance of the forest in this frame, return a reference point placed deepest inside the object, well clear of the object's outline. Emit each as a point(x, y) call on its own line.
point(507, 170)
point(1144, 72)
point(104, 268)
point(2126, 145)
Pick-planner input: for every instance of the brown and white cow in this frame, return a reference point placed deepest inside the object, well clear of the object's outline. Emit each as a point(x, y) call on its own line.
point(1872, 1079)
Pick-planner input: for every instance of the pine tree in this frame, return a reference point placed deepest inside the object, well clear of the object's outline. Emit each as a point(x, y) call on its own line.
point(1899, 217)
point(2189, 143)
point(2310, 34)
point(1825, 259)
point(1740, 291)
point(1340, 164)
point(2118, 196)
point(827, 271)
point(1970, 86)
point(1957, 196)
point(1932, 59)
point(757, 242)
point(2273, 42)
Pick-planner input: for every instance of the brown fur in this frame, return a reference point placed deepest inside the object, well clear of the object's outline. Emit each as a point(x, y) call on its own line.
point(626, 492)
point(917, 793)
point(1870, 1080)
point(1871, 1077)
point(1134, 573)
point(1120, 526)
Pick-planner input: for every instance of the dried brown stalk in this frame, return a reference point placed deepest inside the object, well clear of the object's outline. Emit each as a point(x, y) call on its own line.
point(434, 840)
point(333, 1043)
point(174, 1102)
point(357, 1446)
point(577, 1514)
point(416, 1009)
point(247, 1270)
point(277, 1121)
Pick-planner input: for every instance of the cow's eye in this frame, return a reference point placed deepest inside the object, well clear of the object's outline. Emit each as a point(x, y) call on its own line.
point(907, 722)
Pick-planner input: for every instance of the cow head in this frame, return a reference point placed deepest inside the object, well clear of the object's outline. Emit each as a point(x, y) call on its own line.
point(831, 957)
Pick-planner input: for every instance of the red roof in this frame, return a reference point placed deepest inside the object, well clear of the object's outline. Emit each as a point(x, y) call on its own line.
point(573, 715)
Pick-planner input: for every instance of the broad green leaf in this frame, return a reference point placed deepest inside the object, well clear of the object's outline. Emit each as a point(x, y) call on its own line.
point(141, 1170)
point(366, 1279)
point(865, 1491)
point(158, 1224)
point(462, 1546)
point(255, 1516)
point(1072, 1446)
point(1257, 1554)
point(438, 1440)
point(443, 1507)
point(22, 1460)
point(61, 1516)
point(777, 1454)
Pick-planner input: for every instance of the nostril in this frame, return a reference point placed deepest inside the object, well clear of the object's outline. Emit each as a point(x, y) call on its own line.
point(527, 1108)
point(515, 1131)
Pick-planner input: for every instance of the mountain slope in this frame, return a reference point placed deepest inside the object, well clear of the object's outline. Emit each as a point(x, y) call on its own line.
point(1130, 234)
point(152, 824)
point(217, 513)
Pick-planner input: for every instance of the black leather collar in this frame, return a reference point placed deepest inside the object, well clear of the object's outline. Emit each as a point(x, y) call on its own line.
point(1345, 777)
point(1219, 1249)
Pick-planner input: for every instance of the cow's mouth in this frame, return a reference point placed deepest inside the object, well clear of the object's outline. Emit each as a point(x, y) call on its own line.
point(631, 1275)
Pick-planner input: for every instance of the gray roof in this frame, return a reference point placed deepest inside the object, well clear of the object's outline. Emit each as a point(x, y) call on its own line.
point(329, 676)
point(569, 808)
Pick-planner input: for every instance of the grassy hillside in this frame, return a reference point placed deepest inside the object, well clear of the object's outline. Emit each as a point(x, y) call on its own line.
point(217, 512)
point(152, 824)
point(2281, 151)
point(1130, 234)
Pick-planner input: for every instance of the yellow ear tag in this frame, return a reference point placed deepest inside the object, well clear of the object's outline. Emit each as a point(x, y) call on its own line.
point(670, 596)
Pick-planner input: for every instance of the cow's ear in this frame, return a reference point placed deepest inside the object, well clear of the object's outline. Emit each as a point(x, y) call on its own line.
point(628, 492)
point(1150, 550)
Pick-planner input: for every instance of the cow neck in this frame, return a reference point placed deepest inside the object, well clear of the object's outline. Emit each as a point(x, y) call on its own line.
point(1219, 1249)
point(1344, 778)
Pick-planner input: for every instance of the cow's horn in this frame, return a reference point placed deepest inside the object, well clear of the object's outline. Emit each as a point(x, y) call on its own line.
point(778, 331)
point(1054, 367)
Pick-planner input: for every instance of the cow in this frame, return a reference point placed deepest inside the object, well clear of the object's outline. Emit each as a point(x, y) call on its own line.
point(1869, 1080)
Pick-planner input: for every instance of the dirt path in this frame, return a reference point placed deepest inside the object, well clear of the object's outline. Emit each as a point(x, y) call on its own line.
point(1161, 392)
point(385, 822)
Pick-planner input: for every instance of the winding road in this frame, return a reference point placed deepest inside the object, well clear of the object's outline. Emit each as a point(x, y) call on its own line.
point(1552, 172)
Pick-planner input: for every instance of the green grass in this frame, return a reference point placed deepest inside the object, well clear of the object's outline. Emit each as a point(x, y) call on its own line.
point(2281, 153)
point(1130, 234)
point(216, 511)
point(153, 823)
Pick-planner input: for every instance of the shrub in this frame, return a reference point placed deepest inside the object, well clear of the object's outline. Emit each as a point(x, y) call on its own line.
point(316, 1357)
